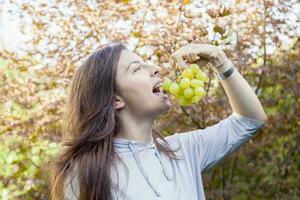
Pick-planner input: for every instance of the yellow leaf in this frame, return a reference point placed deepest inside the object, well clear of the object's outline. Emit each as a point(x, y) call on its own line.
point(136, 34)
point(23, 68)
point(186, 2)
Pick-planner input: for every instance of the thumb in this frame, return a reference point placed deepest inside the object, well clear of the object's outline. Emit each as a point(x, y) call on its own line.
point(180, 61)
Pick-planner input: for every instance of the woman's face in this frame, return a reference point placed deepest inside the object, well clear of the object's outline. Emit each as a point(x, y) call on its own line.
point(135, 81)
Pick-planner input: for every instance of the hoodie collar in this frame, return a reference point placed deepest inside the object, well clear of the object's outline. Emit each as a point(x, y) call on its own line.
point(123, 145)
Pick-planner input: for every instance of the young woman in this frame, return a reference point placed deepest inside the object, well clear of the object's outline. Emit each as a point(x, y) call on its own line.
point(110, 148)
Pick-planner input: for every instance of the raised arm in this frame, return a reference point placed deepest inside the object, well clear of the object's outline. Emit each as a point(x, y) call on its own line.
point(242, 98)
point(204, 148)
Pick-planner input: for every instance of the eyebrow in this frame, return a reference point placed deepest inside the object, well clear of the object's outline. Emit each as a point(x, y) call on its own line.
point(136, 61)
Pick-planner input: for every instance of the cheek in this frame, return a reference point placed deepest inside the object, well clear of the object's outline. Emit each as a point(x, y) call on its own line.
point(139, 88)
point(138, 91)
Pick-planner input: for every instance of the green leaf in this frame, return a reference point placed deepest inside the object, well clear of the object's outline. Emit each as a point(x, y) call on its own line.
point(219, 29)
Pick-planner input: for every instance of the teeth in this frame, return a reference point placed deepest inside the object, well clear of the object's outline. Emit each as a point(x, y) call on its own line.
point(158, 86)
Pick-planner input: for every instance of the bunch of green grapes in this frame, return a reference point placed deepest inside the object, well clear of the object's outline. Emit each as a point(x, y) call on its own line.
point(188, 88)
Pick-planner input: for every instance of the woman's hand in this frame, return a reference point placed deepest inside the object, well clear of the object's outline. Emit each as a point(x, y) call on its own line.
point(202, 53)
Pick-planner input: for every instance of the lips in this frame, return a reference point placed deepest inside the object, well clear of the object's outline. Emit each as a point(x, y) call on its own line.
point(157, 90)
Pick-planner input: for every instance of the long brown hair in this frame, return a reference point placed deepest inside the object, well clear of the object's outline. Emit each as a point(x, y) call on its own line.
point(91, 122)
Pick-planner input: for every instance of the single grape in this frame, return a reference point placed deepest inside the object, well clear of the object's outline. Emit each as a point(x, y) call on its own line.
point(185, 82)
point(188, 92)
point(205, 79)
point(181, 100)
point(201, 76)
point(180, 92)
point(196, 83)
point(178, 78)
point(166, 84)
point(184, 101)
point(174, 88)
point(187, 73)
point(199, 91)
point(194, 67)
point(188, 102)
point(195, 99)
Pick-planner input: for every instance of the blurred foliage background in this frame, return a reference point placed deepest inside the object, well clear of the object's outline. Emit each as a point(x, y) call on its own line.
point(43, 42)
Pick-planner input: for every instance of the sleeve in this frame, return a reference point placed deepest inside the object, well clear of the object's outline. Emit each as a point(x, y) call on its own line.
point(206, 147)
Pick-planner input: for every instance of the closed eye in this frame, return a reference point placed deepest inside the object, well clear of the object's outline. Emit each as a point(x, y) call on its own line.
point(139, 67)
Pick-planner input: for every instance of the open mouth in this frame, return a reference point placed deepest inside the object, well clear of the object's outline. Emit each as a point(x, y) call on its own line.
point(157, 90)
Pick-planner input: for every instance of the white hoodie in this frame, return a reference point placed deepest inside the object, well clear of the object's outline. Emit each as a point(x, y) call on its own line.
point(152, 175)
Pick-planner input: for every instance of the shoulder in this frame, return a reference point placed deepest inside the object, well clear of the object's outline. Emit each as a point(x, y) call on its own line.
point(182, 137)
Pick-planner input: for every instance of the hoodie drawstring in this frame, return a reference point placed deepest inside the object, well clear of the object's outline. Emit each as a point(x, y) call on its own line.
point(138, 161)
point(169, 177)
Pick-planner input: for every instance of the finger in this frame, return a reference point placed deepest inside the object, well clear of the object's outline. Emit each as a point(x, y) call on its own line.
point(172, 60)
point(177, 59)
point(191, 57)
point(186, 57)
point(206, 50)
point(202, 62)
point(194, 57)
point(180, 61)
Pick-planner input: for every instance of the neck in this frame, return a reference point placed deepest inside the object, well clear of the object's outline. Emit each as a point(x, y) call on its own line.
point(135, 129)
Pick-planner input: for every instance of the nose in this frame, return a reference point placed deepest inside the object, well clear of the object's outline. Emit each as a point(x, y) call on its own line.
point(156, 70)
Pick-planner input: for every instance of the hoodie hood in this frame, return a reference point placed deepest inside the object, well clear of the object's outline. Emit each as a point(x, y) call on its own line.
point(135, 147)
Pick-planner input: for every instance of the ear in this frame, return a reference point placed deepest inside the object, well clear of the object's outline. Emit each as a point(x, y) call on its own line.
point(118, 102)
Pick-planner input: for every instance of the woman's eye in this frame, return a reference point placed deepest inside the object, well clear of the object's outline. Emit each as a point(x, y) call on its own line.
point(139, 67)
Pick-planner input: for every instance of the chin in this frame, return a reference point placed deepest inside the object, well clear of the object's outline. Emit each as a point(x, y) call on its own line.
point(159, 105)
point(165, 108)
